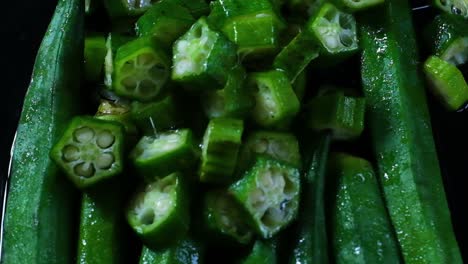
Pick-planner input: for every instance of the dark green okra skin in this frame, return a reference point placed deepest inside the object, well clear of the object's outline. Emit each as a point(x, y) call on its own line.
point(310, 242)
point(402, 138)
point(186, 251)
point(361, 228)
point(159, 214)
point(39, 197)
point(94, 54)
point(197, 8)
point(263, 252)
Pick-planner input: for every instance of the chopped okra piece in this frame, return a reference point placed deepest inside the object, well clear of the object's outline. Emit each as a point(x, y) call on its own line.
point(456, 8)
point(117, 112)
point(281, 146)
point(126, 8)
point(253, 25)
point(141, 70)
point(263, 252)
point(165, 153)
point(153, 117)
point(159, 214)
point(234, 100)
point(225, 219)
point(94, 53)
point(269, 191)
point(113, 43)
point(299, 86)
point(447, 82)
point(449, 39)
point(90, 151)
point(342, 115)
point(203, 57)
point(335, 31)
point(275, 100)
point(165, 21)
point(186, 251)
point(357, 5)
point(220, 148)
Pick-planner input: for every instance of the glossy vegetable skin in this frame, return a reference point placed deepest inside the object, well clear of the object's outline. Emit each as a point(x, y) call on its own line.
point(186, 251)
point(39, 196)
point(402, 138)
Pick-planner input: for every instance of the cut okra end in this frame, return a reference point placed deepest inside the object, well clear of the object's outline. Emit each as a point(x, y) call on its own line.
point(269, 191)
point(457, 8)
point(447, 82)
point(90, 151)
point(159, 213)
point(335, 30)
point(141, 70)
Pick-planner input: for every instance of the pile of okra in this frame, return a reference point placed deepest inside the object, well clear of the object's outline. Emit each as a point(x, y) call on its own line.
point(231, 131)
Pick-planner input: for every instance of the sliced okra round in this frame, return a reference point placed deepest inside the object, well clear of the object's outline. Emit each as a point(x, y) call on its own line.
point(225, 218)
point(269, 192)
point(141, 70)
point(334, 30)
point(90, 151)
point(457, 8)
point(155, 156)
point(159, 214)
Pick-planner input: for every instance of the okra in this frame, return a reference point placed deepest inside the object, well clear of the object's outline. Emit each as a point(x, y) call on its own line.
point(254, 25)
point(263, 252)
point(118, 112)
point(165, 21)
point(449, 39)
point(159, 214)
point(269, 192)
point(361, 229)
point(355, 6)
point(234, 100)
point(141, 70)
point(186, 251)
point(342, 115)
point(127, 8)
point(220, 148)
point(113, 42)
point(167, 152)
point(225, 219)
point(310, 241)
point(275, 100)
point(402, 137)
point(456, 8)
point(197, 8)
point(153, 117)
point(203, 57)
point(94, 53)
point(447, 82)
point(299, 86)
point(90, 151)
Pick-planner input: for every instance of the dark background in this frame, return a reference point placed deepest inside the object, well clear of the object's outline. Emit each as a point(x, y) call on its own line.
point(24, 24)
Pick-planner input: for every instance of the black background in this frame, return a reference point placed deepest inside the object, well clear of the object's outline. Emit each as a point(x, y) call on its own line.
point(24, 23)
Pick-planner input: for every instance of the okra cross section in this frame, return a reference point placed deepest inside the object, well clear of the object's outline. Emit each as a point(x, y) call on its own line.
point(275, 100)
point(165, 153)
point(225, 219)
point(90, 150)
point(269, 192)
point(159, 214)
point(220, 148)
point(141, 70)
point(203, 57)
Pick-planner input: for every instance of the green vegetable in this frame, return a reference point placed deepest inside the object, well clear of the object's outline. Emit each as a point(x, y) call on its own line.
point(401, 135)
point(221, 144)
point(449, 39)
point(159, 214)
point(447, 82)
point(263, 252)
point(225, 219)
point(90, 151)
point(167, 152)
point(101, 227)
point(141, 70)
point(275, 100)
point(186, 251)
point(342, 115)
point(113, 43)
point(38, 224)
point(127, 8)
point(456, 8)
point(359, 5)
point(165, 21)
point(203, 57)
point(269, 192)
point(299, 86)
point(361, 230)
point(310, 242)
point(94, 53)
point(119, 112)
point(197, 8)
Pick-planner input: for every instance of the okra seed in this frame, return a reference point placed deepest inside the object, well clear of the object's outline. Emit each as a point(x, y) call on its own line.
point(105, 161)
point(266, 180)
point(83, 135)
point(105, 139)
point(84, 169)
point(257, 198)
point(272, 217)
point(289, 187)
point(70, 153)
